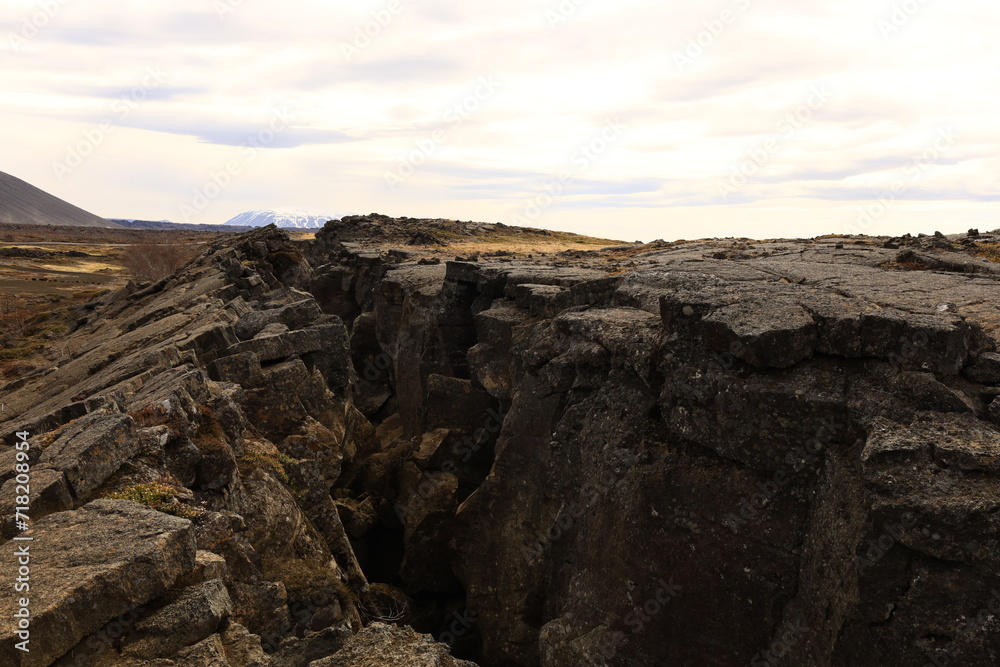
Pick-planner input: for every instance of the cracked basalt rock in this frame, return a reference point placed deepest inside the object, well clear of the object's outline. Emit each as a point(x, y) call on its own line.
point(90, 566)
point(705, 452)
point(188, 616)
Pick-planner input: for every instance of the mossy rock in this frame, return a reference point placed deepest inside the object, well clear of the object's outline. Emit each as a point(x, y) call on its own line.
point(158, 496)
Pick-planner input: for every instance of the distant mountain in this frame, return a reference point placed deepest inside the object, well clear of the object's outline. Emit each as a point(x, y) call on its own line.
point(289, 219)
point(166, 224)
point(24, 204)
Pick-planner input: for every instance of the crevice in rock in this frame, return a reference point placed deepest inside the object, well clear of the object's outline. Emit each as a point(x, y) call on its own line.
point(503, 455)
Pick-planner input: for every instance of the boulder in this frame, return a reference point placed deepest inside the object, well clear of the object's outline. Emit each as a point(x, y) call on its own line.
point(90, 449)
point(207, 566)
point(300, 652)
point(49, 493)
point(986, 369)
point(381, 645)
point(9, 458)
point(296, 315)
point(242, 648)
point(185, 617)
point(89, 566)
point(208, 653)
point(261, 607)
point(283, 345)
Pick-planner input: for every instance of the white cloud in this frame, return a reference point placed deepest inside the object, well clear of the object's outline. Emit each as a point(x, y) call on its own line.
point(356, 112)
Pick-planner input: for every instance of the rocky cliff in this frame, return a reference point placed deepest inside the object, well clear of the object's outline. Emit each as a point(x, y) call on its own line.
point(721, 452)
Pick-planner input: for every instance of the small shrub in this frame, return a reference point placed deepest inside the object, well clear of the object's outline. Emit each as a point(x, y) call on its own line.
point(151, 415)
point(49, 330)
point(14, 370)
point(303, 578)
point(149, 261)
point(382, 604)
point(210, 431)
point(14, 317)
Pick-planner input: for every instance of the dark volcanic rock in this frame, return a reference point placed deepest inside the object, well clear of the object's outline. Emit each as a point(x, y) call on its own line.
point(720, 452)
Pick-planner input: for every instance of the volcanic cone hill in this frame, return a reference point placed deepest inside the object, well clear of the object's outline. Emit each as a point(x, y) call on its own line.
point(23, 204)
point(359, 451)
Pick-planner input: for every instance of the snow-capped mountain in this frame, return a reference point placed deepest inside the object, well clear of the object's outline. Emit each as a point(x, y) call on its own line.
point(288, 218)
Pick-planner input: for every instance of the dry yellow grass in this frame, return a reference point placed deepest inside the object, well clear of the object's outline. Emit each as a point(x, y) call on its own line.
point(81, 266)
point(524, 247)
point(521, 243)
point(25, 246)
point(990, 251)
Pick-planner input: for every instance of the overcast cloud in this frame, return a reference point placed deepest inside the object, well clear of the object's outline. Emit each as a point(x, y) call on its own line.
point(635, 119)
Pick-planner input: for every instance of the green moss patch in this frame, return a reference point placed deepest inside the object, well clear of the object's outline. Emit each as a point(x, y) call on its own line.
point(158, 496)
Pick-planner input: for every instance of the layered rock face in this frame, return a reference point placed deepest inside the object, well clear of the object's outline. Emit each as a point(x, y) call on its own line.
point(702, 453)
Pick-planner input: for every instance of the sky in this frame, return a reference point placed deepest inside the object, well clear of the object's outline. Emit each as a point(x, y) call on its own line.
point(627, 119)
